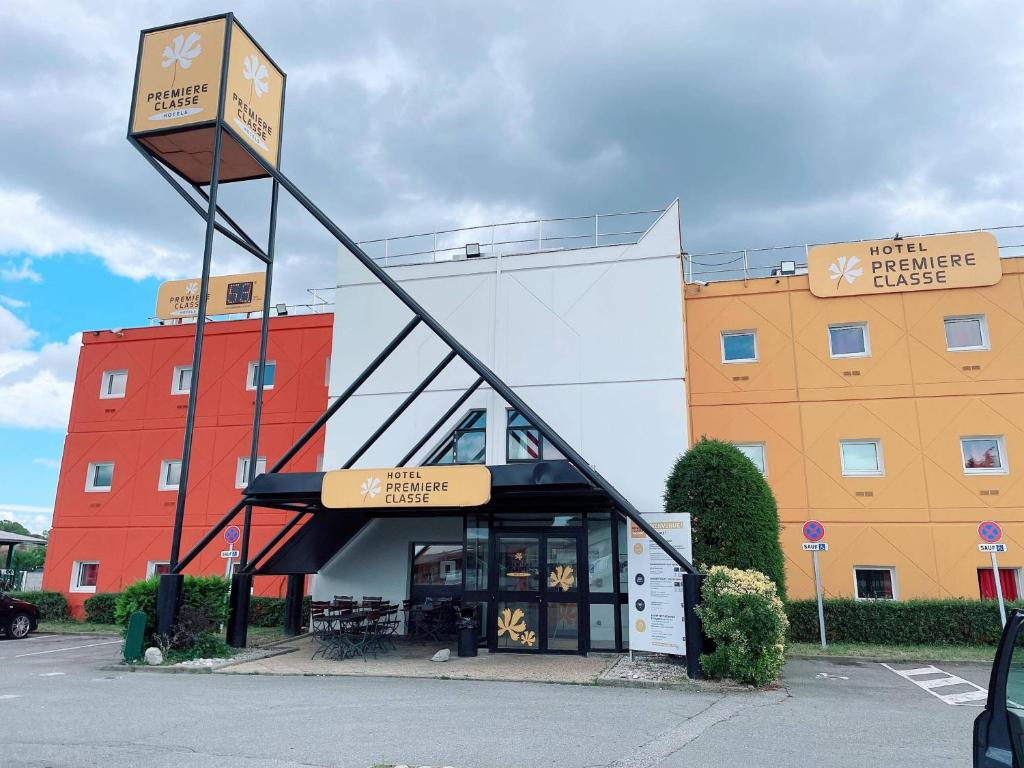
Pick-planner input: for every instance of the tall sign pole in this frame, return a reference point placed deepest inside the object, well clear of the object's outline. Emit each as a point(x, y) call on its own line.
point(990, 534)
point(814, 532)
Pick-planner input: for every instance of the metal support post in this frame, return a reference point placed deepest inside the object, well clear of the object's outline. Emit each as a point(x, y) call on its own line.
point(695, 638)
point(238, 610)
point(168, 601)
point(293, 604)
point(999, 589)
point(817, 591)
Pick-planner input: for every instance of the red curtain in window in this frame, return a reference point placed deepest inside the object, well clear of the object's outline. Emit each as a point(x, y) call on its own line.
point(1007, 580)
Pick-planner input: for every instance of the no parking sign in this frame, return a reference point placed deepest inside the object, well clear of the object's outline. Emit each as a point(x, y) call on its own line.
point(990, 533)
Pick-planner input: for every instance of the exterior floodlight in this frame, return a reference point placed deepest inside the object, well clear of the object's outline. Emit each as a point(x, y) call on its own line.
point(788, 268)
point(282, 310)
point(472, 250)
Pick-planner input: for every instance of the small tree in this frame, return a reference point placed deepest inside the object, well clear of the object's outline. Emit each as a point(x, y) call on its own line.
point(733, 512)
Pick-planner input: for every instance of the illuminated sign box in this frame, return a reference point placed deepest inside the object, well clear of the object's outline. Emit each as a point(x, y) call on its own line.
point(404, 487)
point(181, 74)
point(909, 264)
point(228, 295)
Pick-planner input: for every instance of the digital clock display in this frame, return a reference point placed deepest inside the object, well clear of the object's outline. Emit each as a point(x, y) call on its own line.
point(239, 293)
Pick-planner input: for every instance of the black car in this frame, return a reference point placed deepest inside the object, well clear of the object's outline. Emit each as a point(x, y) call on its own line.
point(17, 617)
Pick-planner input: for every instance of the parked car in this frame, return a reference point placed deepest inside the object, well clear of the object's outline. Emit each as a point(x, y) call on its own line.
point(17, 617)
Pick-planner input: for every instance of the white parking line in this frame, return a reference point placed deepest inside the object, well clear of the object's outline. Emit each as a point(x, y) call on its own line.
point(934, 686)
point(61, 650)
point(6, 696)
point(38, 637)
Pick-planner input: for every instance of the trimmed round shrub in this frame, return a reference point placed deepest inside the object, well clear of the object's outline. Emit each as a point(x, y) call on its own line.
point(206, 594)
point(53, 606)
point(266, 611)
point(732, 510)
point(743, 615)
point(99, 609)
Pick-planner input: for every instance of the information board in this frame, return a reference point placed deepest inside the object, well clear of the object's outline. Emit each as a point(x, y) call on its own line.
point(656, 616)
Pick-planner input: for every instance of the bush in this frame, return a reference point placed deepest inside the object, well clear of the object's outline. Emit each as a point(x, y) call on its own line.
point(732, 510)
point(269, 611)
point(891, 622)
point(744, 617)
point(204, 646)
point(53, 606)
point(99, 609)
point(207, 594)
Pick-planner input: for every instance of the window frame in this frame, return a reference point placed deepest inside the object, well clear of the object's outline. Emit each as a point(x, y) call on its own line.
point(451, 441)
point(151, 566)
point(982, 320)
point(880, 472)
point(162, 484)
point(250, 374)
point(107, 377)
point(543, 443)
point(1000, 441)
point(175, 377)
point(90, 474)
point(763, 469)
point(740, 361)
point(892, 580)
point(241, 470)
point(843, 326)
point(76, 576)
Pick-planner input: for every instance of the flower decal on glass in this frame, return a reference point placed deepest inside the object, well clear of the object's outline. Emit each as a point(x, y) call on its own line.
point(528, 639)
point(253, 70)
point(180, 53)
point(512, 623)
point(845, 268)
point(370, 488)
point(562, 577)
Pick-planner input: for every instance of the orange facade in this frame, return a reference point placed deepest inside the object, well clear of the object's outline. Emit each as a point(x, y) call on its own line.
point(124, 523)
point(910, 397)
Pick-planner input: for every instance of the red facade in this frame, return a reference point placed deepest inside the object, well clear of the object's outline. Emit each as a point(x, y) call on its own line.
point(125, 524)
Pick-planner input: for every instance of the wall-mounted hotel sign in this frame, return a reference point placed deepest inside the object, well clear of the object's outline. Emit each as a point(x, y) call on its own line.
point(228, 295)
point(909, 264)
point(182, 71)
point(400, 487)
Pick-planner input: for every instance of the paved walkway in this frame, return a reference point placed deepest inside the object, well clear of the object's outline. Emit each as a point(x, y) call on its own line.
point(413, 660)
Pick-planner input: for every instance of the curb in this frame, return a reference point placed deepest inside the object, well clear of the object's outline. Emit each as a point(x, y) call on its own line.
point(176, 670)
point(883, 660)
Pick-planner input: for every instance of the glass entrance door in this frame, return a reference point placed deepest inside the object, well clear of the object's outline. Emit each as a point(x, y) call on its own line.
point(536, 605)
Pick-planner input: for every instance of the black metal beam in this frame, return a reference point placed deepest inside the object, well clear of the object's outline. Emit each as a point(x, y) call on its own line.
point(275, 541)
point(235, 225)
point(400, 409)
point(441, 421)
point(208, 536)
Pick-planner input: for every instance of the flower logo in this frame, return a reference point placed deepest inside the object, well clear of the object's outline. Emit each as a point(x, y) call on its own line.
point(562, 577)
point(192, 288)
point(370, 488)
point(180, 53)
point(253, 70)
point(845, 268)
point(511, 622)
point(528, 639)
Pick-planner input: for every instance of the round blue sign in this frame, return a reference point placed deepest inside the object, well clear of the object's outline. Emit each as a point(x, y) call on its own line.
point(232, 534)
point(814, 531)
point(990, 532)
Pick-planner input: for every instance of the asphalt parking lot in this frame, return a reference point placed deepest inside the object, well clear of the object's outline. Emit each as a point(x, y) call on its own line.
point(61, 706)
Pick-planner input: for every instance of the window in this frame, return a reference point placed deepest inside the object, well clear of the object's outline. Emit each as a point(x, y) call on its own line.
point(181, 380)
point(170, 474)
point(157, 568)
point(114, 384)
point(966, 333)
point(983, 455)
point(754, 452)
point(1009, 581)
point(437, 565)
point(327, 372)
point(739, 347)
point(84, 575)
point(99, 476)
point(523, 441)
point(849, 340)
point(242, 473)
point(875, 583)
point(467, 443)
point(269, 373)
point(861, 458)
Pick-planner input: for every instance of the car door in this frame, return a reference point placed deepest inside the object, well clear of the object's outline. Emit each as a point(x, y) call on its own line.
point(999, 730)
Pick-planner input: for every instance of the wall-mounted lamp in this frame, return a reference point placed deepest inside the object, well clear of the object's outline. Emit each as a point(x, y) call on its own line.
point(472, 250)
point(282, 310)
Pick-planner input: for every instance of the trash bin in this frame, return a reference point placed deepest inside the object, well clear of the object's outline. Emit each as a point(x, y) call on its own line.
point(467, 632)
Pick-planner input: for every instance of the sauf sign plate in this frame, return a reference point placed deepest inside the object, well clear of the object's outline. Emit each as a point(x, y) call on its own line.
point(909, 264)
point(403, 487)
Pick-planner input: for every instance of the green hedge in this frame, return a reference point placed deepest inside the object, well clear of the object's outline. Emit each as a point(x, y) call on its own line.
point(207, 594)
point(897, 622)
point(53, 606)
point(269, 611)
point(99, 609)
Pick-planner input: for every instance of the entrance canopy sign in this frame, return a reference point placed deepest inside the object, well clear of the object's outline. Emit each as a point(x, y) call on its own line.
point(656, 614)
point(193, 74)
point(403, 487)
point(908, 264)
point(228, 295)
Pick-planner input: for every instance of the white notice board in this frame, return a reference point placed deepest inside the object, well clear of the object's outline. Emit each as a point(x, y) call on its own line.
point(656, 585)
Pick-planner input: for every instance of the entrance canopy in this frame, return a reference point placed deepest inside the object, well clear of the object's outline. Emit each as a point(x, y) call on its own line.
point(554, 486)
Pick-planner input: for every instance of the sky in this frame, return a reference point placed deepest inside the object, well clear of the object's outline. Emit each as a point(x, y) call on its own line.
point(773, 123)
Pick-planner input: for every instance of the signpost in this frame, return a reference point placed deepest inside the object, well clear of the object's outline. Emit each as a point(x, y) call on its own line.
point(656, 611)
point(814, 532)
point(231, 536)
point(990, 534)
